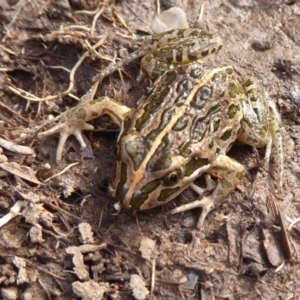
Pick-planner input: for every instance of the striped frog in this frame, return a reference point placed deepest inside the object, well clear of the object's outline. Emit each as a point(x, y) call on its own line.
point(183, 128)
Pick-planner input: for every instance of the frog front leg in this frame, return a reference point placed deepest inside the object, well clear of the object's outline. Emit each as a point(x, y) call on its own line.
point(231, 173)
point(73, 122)
point(262, 125)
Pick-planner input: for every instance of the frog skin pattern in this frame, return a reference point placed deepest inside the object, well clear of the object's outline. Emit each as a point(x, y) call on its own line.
point(183, 128)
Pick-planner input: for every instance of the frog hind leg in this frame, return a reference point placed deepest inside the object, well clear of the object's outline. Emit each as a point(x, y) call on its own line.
point(231, 173)
point(262, 125)
point(279, 137)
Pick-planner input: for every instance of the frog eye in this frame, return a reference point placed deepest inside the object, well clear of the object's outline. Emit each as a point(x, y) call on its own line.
point(172, 178)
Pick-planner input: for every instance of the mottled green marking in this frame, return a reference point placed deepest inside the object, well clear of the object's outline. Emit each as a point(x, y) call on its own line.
point(137, 150)
point(211, 143)
point(249, 82)
point(114, 169)
point(166, 193)
point(240, 89)
point(162, 157)
point(121, 190)
point(169, 78)
point(139, 198)
point(248, 121)
point(81, 113)
point(240, 175)
point(225, 183)
point(229, 71)
point(180, 33)
point(165, 118)
point(216, 124)
point(158, 70)
point(164, 54)
point(219, 77)
point(180, 100)
point(179, 54)
point(160, 162)
point(154, 103)
point(193, 165)
point(181, 123)
point(226, 135)
point(126, 125)
point(196, 72)
point(201, 97)
point(100, 99)
point(183, 89)
point(185, 149)
point(232, 90)
point(198, 129)
point(117, 152)
point(222, 93)
point(232, 110)
point(96, 101)
point(184, 86)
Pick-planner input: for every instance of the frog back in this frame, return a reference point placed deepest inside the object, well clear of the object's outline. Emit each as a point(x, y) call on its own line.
point(191, 114)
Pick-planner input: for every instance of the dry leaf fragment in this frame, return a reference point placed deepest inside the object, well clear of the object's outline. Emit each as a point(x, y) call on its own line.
point(283, 238)
point(139, 291)
point(11, 146)
point(272, 249)
point(22, 172)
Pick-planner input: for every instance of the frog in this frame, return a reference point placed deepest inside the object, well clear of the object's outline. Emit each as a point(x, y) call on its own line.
point(183, 127)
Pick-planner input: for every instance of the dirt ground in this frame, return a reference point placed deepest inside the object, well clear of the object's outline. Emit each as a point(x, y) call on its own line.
point(66, 242)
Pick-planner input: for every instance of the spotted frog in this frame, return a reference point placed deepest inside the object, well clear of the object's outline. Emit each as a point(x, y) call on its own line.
point(184, 126)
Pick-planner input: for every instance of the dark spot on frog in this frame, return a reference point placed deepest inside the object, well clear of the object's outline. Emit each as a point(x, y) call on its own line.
point(204, 53)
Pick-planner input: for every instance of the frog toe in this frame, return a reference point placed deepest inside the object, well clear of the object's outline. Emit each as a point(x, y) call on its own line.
point(65, 131)
point(206, 203)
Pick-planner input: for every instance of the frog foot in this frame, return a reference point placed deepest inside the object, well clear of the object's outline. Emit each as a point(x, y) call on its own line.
point(206, 203)
point(210, 185)
point(65, 129)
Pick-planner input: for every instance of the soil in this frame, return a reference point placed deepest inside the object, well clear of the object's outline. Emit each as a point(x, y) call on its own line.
point(66, 241)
